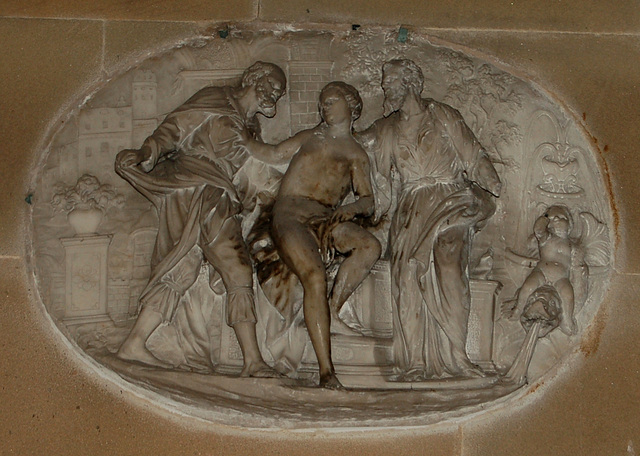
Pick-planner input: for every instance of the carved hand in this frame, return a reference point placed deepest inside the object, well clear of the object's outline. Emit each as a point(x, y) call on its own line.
point(343, 214)
point(133, 157)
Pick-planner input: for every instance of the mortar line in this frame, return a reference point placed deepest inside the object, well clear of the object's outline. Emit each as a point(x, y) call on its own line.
point(627, 273)
point(10, 257)
point(53, 18)
point(417, 27)
point(528, 31)
point(104, 46)
point(427, 28)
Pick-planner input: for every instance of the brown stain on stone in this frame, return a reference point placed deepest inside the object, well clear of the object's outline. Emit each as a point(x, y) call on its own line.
point(609, 184)
point(614, 207)
point(591, 340)
point(535, 387)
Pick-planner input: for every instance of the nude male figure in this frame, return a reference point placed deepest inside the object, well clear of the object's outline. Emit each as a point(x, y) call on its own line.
point(308, 218)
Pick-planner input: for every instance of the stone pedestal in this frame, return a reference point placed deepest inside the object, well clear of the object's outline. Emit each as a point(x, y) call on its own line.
point(86, 279)
point(480, 326)
point(371, 302)
point(359, 361)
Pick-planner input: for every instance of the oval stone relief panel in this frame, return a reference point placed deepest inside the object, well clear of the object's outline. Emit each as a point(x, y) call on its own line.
point(321, 229)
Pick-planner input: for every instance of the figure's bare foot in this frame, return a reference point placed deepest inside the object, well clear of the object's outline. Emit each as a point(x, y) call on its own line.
point(139, 354)
point(259, 369)
point(330, 381)
point(569, 326)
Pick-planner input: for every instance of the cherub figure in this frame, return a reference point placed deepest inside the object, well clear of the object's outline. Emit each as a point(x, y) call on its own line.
point(552, 231)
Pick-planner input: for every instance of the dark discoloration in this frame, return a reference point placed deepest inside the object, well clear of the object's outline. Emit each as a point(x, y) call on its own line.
point(535, 387)
point(591, 340)
point(609, 186)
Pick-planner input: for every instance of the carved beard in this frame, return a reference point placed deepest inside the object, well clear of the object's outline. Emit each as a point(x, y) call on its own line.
point(266, 101)
point(267, 106)
point(394, 100)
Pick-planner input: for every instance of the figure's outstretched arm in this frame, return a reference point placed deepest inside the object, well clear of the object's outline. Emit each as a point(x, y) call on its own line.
point(540, 227)
point(278, 154)
point(367, 137)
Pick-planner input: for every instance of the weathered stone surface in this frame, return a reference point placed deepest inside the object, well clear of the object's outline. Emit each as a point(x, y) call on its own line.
point(44, 384)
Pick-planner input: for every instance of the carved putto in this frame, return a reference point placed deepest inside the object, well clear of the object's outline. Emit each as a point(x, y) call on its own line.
point(309, 229)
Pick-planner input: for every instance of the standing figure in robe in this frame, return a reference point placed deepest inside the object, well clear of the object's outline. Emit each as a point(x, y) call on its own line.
point(447, 186)
point(186, 169)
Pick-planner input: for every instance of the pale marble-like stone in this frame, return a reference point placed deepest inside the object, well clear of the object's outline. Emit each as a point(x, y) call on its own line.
point(540, 152)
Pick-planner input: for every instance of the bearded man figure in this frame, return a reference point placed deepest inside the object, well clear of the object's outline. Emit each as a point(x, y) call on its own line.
point(186, 168)
point(447, 184)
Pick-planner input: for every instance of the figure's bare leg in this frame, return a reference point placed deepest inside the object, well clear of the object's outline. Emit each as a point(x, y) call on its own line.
point(228, 255)
point(133, 348)
point(183, 276)
point(362, 250)
point(300, 251)
point(254, 365)
point(532, 283)
point(568, 323)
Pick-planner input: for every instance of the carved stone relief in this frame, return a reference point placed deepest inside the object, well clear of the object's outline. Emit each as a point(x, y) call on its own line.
point(321, 229)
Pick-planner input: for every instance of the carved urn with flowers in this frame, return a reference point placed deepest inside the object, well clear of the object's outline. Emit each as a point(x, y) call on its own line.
point(85, 203)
